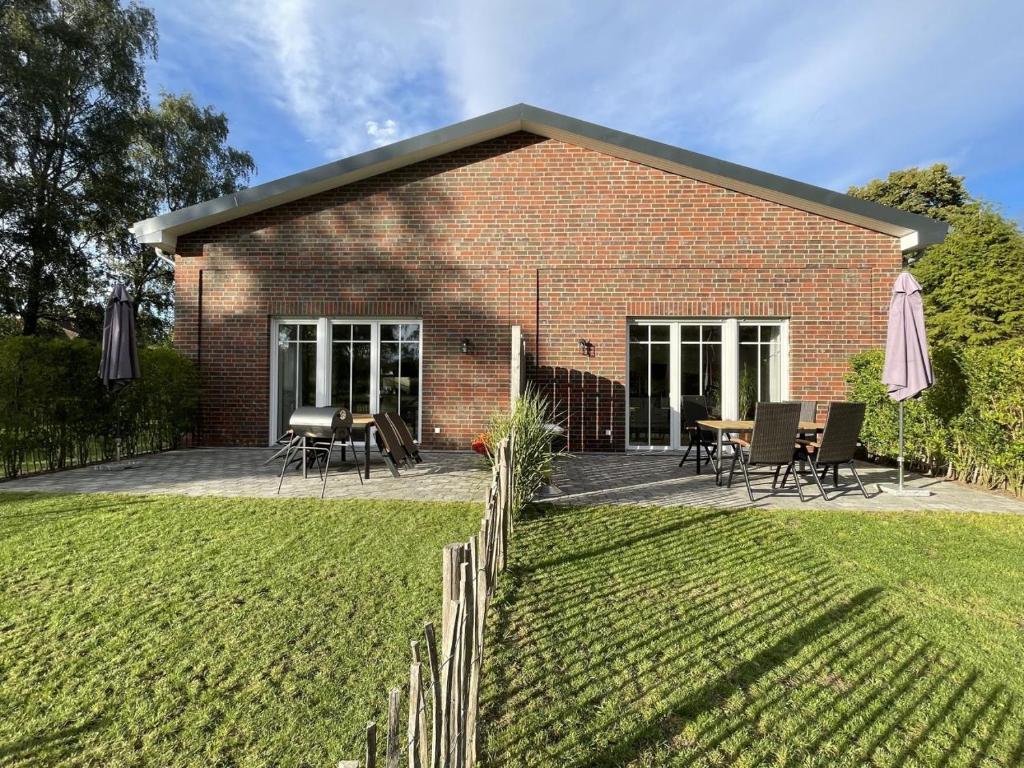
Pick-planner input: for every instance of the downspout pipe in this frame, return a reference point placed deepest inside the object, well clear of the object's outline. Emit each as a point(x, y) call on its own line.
point(162, 256)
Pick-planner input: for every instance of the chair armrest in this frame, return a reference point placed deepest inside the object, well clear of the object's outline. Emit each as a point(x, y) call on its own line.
point(740, 441)
point(810, 443)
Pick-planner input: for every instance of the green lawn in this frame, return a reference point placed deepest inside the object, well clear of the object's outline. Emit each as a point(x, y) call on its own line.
point(180, 631)
point(631, 636)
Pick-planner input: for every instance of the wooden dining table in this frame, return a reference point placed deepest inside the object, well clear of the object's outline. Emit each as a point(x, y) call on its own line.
point(723, 426)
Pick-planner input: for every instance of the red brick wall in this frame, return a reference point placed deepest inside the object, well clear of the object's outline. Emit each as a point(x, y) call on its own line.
point(564, 241)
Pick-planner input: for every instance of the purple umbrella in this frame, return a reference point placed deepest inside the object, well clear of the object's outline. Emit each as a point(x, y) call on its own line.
point(908, 371)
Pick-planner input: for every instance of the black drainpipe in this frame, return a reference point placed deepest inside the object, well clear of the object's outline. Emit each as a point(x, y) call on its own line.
point(199, 353)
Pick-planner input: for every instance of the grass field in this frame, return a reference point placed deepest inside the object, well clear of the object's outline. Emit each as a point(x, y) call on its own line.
point(631, 636)
point(179, 631)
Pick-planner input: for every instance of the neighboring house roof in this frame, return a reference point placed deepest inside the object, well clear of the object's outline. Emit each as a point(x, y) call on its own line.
point(914, 231)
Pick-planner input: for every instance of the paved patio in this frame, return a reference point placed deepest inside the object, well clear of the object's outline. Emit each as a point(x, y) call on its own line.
point(456, 476)
point(442, 476)
point(639, 478)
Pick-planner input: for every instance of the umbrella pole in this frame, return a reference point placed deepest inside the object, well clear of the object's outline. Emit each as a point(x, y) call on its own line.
point(898, 489)
point(899, 459)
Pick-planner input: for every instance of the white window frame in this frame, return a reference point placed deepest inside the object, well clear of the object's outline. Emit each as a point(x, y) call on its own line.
point(729, 374)
point(325, 348)
point(783, 326)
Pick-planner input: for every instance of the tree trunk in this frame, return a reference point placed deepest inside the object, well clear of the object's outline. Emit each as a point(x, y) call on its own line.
point(33, 300)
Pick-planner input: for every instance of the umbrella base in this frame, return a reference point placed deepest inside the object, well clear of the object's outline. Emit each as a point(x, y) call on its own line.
point(895, 490)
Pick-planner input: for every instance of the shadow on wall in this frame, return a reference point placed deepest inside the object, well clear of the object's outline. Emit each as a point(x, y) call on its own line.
point(590, 408)
point(384, 247)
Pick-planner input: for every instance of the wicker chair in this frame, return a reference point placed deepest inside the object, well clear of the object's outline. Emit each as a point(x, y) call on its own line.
point(837, 445)
point(695, 407)
point(771, 443)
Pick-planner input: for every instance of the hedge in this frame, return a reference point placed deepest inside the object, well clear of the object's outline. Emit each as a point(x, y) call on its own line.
point(969, 426)
point(56, 412)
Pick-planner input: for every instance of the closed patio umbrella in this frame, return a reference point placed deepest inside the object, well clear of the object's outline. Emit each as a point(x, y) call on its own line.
point(119, 358)
point(908, 369)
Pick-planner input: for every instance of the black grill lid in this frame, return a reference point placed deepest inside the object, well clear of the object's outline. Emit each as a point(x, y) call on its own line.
point(322, 422)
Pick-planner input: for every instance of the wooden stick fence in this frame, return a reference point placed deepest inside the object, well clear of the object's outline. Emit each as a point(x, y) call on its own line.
point(469, 576)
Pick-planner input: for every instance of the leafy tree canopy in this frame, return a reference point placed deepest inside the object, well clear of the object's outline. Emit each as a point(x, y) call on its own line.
point(972, 281)
point(179, 157)
point(932, 191)
point(71, 87)
point(83, 154)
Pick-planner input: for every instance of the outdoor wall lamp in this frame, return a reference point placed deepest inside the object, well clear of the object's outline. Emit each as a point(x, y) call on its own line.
point(586, 348)
point(464, 346)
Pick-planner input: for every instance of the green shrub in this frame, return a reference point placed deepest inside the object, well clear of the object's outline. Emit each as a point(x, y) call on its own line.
point(526, 422)
point(970, 424)
point(989, 432)
point(58, 414)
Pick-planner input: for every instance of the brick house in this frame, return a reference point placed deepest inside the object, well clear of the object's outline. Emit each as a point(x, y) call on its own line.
point(635, 273)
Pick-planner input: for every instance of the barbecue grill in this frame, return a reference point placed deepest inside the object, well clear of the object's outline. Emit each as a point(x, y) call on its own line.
point(313, 432)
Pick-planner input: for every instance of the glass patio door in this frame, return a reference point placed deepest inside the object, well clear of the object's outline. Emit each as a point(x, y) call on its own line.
point(732, 363)
point(296, 369)
point(650, 385)
point(364, 365)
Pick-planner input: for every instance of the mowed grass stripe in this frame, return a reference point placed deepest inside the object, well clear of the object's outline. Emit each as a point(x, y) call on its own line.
point(632, 636)
point(198, 631)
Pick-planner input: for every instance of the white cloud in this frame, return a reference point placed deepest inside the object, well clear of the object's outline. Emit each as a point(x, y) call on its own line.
point(333, 68)
point(829, 93)
point(820, 91)
point(382, 133)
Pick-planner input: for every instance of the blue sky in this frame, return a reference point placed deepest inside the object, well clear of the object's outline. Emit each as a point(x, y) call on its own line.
point(829, 93)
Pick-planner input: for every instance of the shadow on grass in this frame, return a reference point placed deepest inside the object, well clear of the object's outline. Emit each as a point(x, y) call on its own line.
point(628, 636)
point(48, 748)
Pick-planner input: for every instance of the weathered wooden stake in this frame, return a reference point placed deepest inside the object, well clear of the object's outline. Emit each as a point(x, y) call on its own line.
point(371, 745)
point(435, 696)
point(394, 746)
point(448, 681)
point(417, 719)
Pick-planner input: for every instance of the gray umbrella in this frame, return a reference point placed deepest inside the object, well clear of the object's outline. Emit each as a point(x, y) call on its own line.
point(119, 360)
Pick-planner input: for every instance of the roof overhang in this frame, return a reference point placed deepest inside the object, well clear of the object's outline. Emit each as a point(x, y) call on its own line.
point(914, 231)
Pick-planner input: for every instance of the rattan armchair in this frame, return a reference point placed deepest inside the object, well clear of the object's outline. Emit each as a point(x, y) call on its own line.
point(837, 445)
point(771, 444)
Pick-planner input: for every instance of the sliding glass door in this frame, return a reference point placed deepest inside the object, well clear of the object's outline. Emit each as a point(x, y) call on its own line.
point(730, 363)
point(760, 366)
point(650, 409)
point(296, 369)
point(364, 365)
point(399, 370)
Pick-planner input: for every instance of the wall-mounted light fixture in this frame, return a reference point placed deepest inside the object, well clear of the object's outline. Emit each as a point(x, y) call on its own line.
point(586, 348)
point(464, 346)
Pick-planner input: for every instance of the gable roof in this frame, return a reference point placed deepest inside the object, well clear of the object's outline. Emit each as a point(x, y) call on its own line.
point(914, 231)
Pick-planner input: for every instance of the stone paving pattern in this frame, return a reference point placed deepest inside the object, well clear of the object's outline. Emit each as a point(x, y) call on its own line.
point(639, 478)
point(635, 478)
point(442, 476)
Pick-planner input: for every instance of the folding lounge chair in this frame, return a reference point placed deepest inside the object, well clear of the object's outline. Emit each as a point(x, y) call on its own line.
point(389, 444)
point(405, 436)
